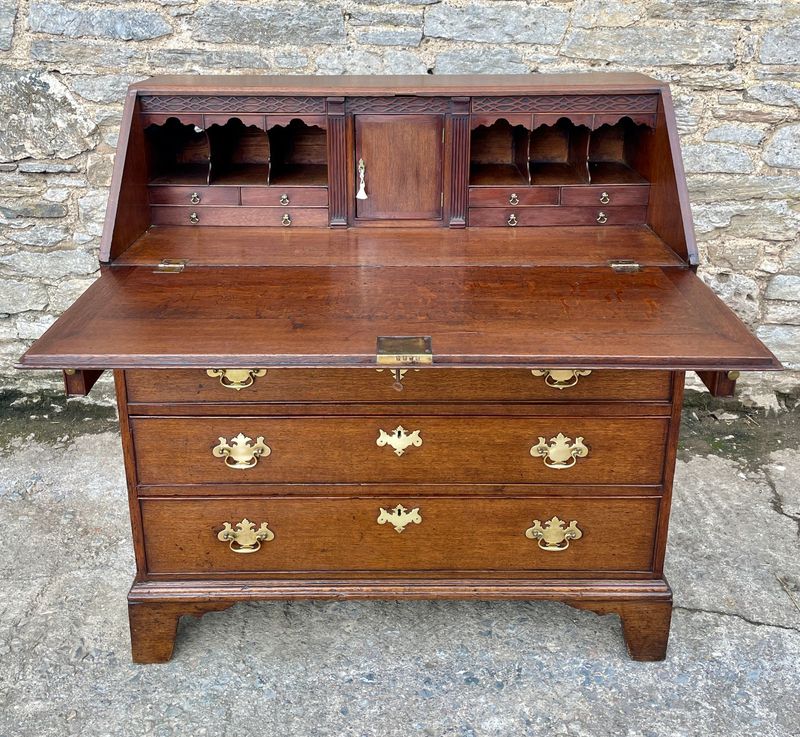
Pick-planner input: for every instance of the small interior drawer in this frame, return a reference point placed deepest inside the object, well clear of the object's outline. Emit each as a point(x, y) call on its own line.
point(177, 195)
point(504, 196)
point(476, 534)
point(285, 197)
point(533, 216)
point(279, 216)
point(599, 195)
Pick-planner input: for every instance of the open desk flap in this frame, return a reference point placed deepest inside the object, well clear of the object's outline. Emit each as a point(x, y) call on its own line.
point(332, 316)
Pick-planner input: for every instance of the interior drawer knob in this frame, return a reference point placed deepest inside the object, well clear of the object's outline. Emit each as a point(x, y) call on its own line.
point(399, 517)
point(195, 198)
point(560, 452)
point(237, 379)
point(513, 199)
point(284, 200)
point(561, 378)
point(602, 218)
point(512, 220)
point(399, 439)
point(553, 535)
point(245, 538)
point(605, 198)
point(193, 218)
point(239, 453)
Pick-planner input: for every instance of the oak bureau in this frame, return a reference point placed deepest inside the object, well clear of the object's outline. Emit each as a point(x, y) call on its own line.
point(399, 337)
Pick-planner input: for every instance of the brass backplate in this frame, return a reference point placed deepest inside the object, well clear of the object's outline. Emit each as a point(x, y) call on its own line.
point(402, 350)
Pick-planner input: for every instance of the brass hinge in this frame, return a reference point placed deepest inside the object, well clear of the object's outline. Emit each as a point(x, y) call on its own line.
point(404, 351)
point(171, 266)
point(625, 266)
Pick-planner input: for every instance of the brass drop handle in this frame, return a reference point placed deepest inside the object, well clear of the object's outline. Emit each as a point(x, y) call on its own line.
point(362, 180)
point(195, 198)
point(399, 439)
point(286, 220)
point(604, 198)
point(284, 200)
point(560, 452)
point(512, 220)
point(399, 517)
point(513, 199)
point(245, 538)
point(239, 453)
point(602, 218)
point(193, 219)
point(561, 378)
point(237, 379)
point(553, 536)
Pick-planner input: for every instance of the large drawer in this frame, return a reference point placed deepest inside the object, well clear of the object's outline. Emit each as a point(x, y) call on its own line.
point(533, 216)
point(413, 449)
point(476, 534)
point(379, 385)
point(288, 216)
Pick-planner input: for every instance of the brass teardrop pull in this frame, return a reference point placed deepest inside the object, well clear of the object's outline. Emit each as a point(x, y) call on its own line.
point(193, 218)
point(286, 220)
point(512, 220)
point(284, 200)
point(195, 198)
point(602, 218)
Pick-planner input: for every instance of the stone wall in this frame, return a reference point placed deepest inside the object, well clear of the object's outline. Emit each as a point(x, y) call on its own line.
point(734, 66)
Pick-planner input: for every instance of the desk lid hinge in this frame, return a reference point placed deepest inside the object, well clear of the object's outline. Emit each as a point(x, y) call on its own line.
point(404, 350)
point(171, 266)
point(625, 265)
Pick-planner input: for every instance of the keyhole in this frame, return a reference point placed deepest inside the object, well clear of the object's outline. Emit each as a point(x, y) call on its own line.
point(398, 380)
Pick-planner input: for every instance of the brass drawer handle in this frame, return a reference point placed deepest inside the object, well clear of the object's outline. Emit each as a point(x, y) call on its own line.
point(245, 538)
point(399, 517)
point(399, 439)
point(553, 536)
point(605, 198)
point(512, 220)
point(602, 218)
point(286, 220)
point(239, 453)
point(237, 379)
point(560, 452)
point(284, 200)
point(362, 181)
point(193, 218)
point(195, 198)
point(513, 199)
point(561, 378)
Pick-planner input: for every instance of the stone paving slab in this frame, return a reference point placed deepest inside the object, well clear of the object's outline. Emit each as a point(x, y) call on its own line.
point(466, 669)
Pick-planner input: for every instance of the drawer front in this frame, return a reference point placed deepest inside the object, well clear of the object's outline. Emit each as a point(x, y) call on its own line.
point(505, 196)
point(286, 197)
point(443, 534)
point(373, 385)
point(278, 216)
point(397, 449)
point(192, 196)
point(529, 216)
point(600, 196)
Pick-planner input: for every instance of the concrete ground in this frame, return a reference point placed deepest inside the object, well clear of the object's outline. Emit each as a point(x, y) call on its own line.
point(397, 668)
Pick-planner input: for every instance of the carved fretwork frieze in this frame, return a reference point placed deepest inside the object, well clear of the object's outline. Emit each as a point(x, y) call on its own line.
point(566, 104)
point(231, 103)
point(380, 105)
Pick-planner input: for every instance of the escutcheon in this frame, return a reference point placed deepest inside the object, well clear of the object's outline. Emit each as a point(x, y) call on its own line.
point(245, 538)
point(237, 379)
point(560, 452)
point(239, 453)
point(399, 517)
point(399, 439)
point(553, 535)
point(561, 378)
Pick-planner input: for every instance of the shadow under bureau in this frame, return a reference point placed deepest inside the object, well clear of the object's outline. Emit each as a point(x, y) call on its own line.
point(401, 337)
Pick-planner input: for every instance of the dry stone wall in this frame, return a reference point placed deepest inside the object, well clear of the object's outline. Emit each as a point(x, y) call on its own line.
point(734, 66)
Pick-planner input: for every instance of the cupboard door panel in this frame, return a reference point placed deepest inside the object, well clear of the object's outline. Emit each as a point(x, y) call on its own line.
point(402, 157)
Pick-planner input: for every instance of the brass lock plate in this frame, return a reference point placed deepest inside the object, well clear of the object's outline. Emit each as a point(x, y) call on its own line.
point(404, 350)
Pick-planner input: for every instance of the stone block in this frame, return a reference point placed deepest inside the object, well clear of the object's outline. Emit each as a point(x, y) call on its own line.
point(31, 325)
point(738, 291)
point(20, 296)
point(105, 88)
point(506, 22)
point(391, 37)
point(63, 19)
point(66, 55)
point(782, 313)
point(783, 149)
point(781, 44)
point(770, 221)
point(63, 294)
point(606, 13)
point(8, 13)
point(52, 266)
point(339, 60)
point(745, 135)
point(301, 23)
point(742, 10)
point(785, 287)
point(775, 93)
point(43, 236)
point(716, 187)
point(92, 210)
point(484, 60)
point(706, 158)
point(783, 341)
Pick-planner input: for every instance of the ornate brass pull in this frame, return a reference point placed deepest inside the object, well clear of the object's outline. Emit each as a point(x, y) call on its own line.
point(286, 220)
point(245, 538)
point(513, 199)
point(193, 219)
point(399, 439)
point(399, 517)
point(553, 536)
point(560, 452)
point(512, 220)
point(362, 181)
point(605, 198)
point(237, 379)
point(602, 218)
point(284, 200)
point(239, 453)
point(561, 378)
point(195, 198)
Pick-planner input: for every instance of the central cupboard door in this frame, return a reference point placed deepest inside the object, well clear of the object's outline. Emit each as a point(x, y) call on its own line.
point(402, 166)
